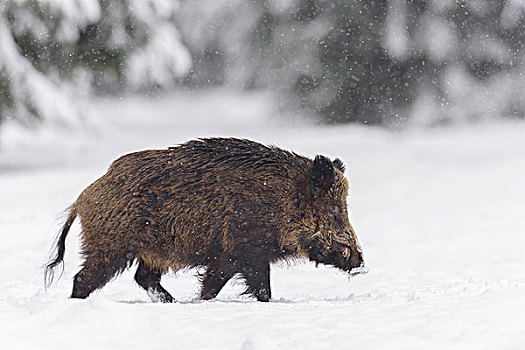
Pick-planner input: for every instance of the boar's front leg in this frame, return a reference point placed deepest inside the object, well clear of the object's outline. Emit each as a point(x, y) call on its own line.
point(214, 279)
point(257, 276)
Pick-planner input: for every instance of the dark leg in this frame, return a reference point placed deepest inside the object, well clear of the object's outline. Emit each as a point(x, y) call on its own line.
point(257, 276)
point(213, 280)
point(150, 281)
point(95, 275)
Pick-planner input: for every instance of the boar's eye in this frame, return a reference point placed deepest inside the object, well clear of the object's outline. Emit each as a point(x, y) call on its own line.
point(346, 253)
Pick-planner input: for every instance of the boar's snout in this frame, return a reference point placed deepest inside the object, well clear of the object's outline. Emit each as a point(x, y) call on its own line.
point(345, 256)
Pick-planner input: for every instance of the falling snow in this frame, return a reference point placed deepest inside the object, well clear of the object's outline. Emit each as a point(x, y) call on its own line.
point(438, 213)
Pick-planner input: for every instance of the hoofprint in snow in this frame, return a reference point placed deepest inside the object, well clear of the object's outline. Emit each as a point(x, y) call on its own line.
point(439, 214)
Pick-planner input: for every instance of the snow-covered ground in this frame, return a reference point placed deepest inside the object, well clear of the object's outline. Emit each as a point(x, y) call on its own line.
point(440, 215)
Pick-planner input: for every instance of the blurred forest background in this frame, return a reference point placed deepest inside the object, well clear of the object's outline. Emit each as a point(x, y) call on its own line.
point(380, 62)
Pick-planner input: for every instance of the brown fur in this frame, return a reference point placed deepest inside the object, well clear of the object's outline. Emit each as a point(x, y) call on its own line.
point(220, 203)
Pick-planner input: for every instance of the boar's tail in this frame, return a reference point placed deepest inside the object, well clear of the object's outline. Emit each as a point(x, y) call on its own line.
point(49, 273)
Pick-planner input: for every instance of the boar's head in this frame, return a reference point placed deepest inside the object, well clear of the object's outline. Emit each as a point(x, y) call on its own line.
point(331, 239)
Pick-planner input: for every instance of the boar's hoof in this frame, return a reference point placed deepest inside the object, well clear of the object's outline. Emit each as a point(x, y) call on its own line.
point(263, 295)
point(157, 296)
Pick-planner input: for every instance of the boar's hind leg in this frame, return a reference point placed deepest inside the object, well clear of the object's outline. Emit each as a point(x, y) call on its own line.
point(95, 274)
point(213, 280)
point(257, 276)
point(150, 281)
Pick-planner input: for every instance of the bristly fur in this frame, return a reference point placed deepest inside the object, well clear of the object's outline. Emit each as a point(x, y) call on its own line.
point(230, 205)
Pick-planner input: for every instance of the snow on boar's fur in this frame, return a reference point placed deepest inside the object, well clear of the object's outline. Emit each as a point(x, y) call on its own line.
point(228, 205)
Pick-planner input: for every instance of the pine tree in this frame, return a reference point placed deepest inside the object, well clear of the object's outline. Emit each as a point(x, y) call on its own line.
point(49, 49)
point(375, 61)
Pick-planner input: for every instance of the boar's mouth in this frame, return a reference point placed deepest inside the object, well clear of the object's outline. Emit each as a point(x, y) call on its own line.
point(360, 270)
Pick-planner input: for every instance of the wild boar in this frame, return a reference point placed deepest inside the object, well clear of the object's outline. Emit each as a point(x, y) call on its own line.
point(229, 206)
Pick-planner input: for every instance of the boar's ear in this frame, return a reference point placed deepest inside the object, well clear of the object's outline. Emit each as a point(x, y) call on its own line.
point(322, 176)
point(338, 163)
